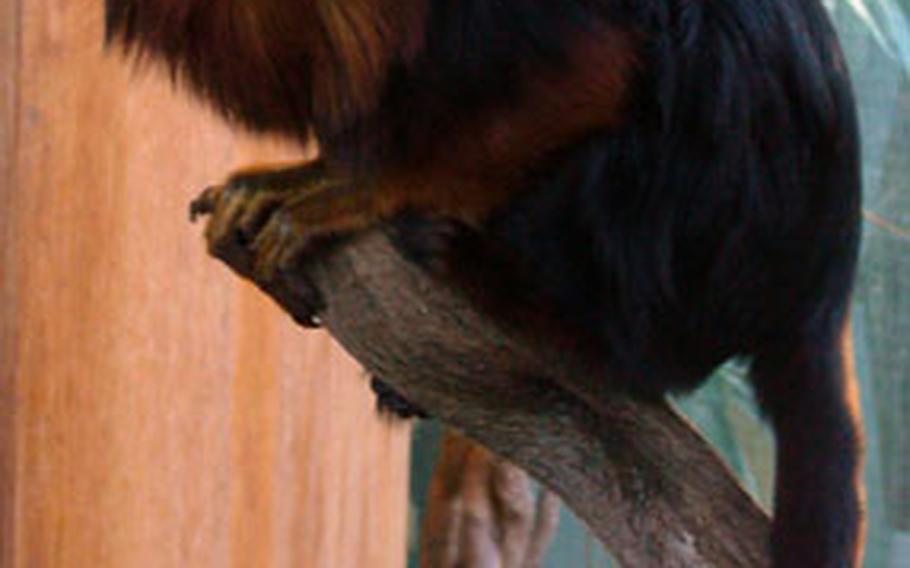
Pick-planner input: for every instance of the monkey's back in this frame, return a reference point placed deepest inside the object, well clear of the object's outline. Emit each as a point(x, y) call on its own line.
point(722, 218)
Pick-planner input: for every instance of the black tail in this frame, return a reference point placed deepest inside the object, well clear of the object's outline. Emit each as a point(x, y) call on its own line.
point(808, 390)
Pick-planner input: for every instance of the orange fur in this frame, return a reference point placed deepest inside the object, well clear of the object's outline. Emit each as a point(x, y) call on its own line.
point(484, 162)
point(360, 40)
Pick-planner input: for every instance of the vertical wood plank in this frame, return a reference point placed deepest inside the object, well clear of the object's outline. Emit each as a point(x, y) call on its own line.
point(163, 413)
point(9, 60)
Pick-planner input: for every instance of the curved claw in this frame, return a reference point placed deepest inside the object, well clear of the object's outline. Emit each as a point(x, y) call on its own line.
point(205, 203)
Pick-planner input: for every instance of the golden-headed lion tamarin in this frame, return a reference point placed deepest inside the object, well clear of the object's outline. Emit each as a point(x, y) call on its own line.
point(676, 181)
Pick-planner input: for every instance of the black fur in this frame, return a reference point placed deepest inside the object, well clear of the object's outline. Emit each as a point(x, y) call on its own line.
point(720, 221)
point(391, 403)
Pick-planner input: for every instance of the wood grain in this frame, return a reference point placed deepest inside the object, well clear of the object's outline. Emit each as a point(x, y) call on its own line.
point(8, 74)
point(154, 411)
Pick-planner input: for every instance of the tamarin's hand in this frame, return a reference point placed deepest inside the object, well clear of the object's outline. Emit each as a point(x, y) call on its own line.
point(251, 227)
point(252, 224)
point(256, 210)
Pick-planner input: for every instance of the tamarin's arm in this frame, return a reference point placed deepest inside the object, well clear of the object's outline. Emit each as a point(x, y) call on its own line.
point(278, 177)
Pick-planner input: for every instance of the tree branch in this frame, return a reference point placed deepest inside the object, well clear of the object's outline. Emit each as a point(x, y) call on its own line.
point(643, 480)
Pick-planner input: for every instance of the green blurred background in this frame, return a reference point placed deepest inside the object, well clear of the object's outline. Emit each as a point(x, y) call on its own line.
point(876, 37)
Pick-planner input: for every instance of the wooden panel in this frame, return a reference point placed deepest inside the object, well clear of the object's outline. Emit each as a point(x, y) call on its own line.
point(165, 413)
point(8, 75)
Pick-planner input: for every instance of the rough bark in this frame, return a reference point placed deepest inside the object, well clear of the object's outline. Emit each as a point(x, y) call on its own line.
point(640, 476)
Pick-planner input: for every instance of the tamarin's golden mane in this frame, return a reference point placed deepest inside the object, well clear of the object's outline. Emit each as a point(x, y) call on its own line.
point(236, 53)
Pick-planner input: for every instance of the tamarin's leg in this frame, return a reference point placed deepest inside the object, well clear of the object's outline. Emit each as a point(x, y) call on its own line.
point(461, 256)
point(481, 265)
point(809, 394)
